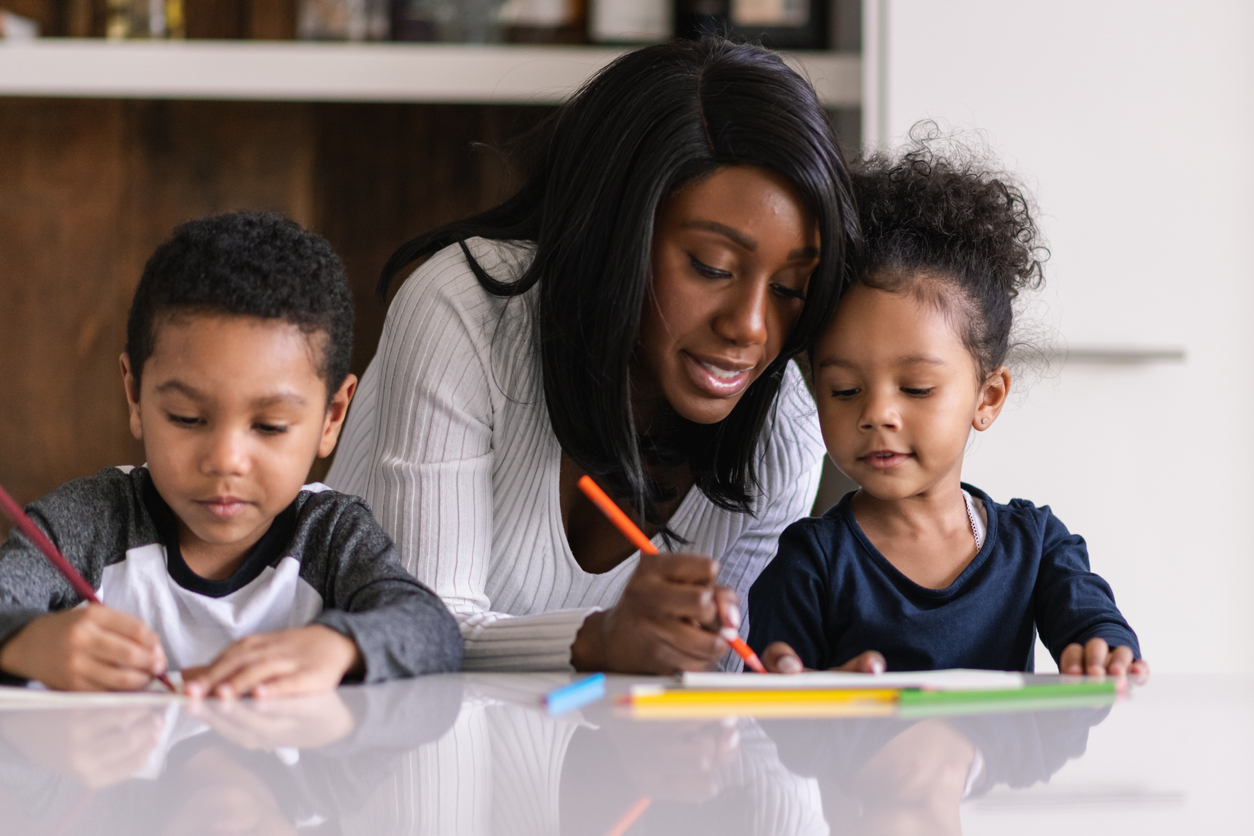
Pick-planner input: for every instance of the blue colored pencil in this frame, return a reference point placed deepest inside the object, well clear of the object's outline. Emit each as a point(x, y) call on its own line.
point(575, 695)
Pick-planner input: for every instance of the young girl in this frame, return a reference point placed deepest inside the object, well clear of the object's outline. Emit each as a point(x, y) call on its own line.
point(917, 570)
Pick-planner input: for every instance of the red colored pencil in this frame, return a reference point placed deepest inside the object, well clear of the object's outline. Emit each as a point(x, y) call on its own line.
point(58, 561)
point(629, 529)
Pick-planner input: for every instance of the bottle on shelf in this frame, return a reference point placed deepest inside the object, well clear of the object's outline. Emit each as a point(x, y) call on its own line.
point(461, 21)
point(779, 24)
point(343, 20)
point(631, 21)
point(144, 19)
point(544, 21)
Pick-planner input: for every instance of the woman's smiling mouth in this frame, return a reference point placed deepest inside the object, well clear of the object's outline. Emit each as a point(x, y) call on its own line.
point(718, 377)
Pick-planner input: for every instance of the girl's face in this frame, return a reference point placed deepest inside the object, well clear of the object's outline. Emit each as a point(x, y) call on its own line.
point(898, 394)
point(732, 257)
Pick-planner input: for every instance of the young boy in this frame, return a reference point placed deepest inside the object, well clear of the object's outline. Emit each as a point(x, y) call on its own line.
point(213, 559)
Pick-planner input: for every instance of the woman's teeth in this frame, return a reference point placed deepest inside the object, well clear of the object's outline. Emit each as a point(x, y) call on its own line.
point(723, 374)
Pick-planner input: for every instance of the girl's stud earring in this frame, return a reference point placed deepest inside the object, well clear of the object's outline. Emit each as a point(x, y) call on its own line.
point(983, 420)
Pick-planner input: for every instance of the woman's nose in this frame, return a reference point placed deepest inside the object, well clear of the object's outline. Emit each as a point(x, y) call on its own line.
point(743, 319)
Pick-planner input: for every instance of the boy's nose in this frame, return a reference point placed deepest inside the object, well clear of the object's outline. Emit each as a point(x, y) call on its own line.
point(227, 454)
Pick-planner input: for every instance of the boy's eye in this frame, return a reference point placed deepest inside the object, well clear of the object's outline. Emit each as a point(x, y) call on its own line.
point(845, 394)
point(918, 393)
point(788, 292)
point(270, 429)
point(708, 271)
point(185, 420)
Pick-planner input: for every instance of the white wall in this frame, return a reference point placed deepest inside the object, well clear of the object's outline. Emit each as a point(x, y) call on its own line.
point(1133, 122)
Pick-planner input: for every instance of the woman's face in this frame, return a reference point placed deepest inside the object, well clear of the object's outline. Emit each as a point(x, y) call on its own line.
point(732, 258)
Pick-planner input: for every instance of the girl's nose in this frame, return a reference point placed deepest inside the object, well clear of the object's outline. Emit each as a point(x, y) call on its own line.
point(879, 411)
point(743, 318)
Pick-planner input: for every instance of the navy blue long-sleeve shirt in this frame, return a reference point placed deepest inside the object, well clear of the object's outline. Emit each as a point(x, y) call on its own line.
point(831, 595)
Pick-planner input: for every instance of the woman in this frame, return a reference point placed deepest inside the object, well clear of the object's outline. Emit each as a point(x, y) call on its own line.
point(629, 314)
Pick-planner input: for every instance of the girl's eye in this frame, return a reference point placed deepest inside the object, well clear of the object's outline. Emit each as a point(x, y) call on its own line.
point(184, 420)
point(708, 271)
point(845, 394)
point(788, 292)
point(918, 393)
point(270, 429)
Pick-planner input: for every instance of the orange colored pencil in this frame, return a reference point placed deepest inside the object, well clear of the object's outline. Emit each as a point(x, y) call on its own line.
point(629, 529)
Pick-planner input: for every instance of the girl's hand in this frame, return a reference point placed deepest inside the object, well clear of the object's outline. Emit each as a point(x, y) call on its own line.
point(90, 648)
point(1097, 659)
point(780, 658)
point(304, 660)
point(666, 620)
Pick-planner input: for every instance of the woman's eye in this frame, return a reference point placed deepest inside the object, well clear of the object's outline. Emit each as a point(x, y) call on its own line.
point(918, 393)
point(787, 292)
point(844, 394)
point(184, 420)
point(708, 271)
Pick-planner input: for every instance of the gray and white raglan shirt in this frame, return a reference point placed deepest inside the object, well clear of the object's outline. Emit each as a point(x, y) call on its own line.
point(324, 561)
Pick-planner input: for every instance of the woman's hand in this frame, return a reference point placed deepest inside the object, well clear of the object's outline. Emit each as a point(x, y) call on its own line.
point(666, 620)
point(780, 658)
point(1097, 659)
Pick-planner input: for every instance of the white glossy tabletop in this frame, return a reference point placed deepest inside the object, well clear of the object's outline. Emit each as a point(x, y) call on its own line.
point(476, 754)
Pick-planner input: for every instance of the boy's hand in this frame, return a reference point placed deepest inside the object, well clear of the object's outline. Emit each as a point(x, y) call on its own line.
point(90, 648)
point(304, 660)
point(1097, 659)
point(780, 658)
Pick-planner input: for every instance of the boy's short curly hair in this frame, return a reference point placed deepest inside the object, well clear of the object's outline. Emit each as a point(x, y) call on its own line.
point(257, 264)
point(953, 232)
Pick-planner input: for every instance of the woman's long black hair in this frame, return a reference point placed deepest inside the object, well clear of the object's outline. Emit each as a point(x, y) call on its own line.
point(652, 121)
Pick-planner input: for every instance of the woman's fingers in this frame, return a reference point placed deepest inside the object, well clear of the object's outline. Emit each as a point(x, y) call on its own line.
point(679, 567)
point(869, 661)
point(779, 657)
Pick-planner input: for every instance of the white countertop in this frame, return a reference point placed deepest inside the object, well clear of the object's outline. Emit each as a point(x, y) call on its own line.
point(476, 754)
point(304, 71)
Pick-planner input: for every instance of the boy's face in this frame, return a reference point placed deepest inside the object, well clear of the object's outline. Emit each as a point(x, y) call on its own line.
point(232, 413)
point(898, 394)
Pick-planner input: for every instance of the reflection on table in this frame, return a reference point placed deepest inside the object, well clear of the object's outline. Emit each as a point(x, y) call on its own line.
point(477, 754)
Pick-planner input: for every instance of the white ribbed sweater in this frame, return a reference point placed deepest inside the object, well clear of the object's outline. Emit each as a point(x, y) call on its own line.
point(450, 443)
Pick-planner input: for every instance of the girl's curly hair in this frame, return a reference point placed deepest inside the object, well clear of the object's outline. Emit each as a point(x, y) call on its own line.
point(951, 230)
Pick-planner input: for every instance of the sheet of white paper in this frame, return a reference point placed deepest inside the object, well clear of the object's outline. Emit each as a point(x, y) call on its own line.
point(949, 680)
point(37, 696)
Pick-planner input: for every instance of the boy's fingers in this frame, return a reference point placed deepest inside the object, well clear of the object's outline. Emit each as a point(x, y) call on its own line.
point(125, 625)
point(252, 675)
point(1072, 660)
point(1095, 653)
point(1140, 671)
point(779, 657)
point(120, 651)
point(91, 674)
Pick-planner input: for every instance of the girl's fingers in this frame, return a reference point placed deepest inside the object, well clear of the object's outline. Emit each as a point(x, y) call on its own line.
point(779, 657)
point(1120, 661)
point(1095, 654)
point(1072, 660)
point(869, 661)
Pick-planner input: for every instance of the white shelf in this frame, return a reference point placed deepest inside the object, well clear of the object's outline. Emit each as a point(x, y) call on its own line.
point(298, 71)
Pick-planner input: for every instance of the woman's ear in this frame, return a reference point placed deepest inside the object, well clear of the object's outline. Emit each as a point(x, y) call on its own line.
point(992, 398)
point(131, 385)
